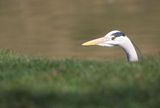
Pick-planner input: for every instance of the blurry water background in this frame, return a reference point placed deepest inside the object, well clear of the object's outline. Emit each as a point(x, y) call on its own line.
point(57, 28)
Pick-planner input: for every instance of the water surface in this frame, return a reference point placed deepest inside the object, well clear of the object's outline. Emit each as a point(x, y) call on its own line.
point(56, 28)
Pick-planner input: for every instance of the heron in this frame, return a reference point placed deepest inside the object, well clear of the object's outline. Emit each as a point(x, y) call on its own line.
point(116, 38)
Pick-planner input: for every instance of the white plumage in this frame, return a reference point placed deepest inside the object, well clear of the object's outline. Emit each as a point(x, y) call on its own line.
point(116, 38)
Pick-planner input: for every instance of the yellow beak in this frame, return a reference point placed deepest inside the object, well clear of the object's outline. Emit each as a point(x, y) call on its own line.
point(94, 42)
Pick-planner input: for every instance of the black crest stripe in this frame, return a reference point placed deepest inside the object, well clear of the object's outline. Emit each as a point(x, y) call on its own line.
point(117, 34)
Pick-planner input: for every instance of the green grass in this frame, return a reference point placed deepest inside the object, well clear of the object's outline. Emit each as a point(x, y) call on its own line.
point(35, 82)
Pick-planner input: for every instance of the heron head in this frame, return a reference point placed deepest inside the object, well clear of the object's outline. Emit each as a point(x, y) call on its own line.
point(113, 38)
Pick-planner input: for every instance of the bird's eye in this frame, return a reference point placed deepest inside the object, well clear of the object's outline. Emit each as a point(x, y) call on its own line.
point(113, 38)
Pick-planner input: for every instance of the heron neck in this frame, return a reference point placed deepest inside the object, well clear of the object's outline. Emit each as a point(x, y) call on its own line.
point(130, 51)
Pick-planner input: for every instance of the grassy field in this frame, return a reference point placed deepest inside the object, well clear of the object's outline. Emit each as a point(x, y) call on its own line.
point(35, 82)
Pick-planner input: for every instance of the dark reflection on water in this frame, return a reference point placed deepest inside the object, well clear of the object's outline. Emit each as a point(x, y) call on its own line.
point(57, 28)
